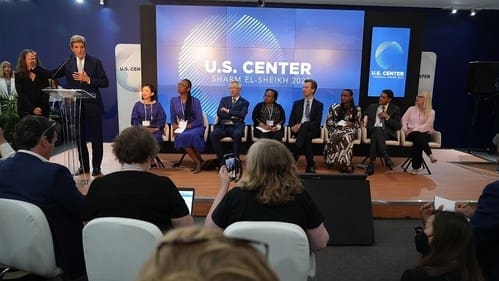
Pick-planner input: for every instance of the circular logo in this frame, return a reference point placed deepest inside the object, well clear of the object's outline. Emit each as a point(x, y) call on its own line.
point(389, 55)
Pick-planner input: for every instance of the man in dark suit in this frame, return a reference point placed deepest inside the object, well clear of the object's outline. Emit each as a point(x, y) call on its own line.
point(383, 121)
point(231, 113)
point(305, 123)
point(85, 72)
point(29, 176)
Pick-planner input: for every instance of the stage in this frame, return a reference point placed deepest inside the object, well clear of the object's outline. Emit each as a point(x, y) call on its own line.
point(395, 194)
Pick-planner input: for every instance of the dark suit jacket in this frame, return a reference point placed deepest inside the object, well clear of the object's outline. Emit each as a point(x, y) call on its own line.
point(93, 68)
point(30, 92)
point(392, 125)
point(315, 114)
point(237, 111)
point(51, 187)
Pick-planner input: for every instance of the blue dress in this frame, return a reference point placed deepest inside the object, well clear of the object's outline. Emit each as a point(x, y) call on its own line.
point(153, 113)
point(190, 137)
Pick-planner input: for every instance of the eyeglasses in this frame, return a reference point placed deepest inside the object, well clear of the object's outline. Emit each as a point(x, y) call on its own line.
point(261, 246)
point(44, 133)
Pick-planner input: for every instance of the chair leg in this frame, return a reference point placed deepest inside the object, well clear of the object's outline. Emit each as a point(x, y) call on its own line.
point(406, 164)
point(159, 162)
point(426, 167)
point(180, 161)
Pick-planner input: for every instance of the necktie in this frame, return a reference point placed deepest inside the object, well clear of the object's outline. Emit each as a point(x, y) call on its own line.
point(307, 110)
point(79, 63)
point(384, 108)
point(233, 100)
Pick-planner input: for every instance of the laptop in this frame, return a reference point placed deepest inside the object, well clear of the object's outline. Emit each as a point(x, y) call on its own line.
point(187, 194)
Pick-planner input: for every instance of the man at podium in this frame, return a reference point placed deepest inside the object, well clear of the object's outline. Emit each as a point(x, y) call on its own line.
point(85, 72)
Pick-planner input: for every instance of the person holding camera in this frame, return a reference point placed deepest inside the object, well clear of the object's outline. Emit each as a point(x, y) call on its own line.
point(270, 191)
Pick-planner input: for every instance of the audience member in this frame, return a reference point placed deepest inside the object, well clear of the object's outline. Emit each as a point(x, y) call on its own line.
point(231, 113)
point(451, 250)
point(342, 123)
point(485, 224)
point(32, 178)
point(305, 123)
point(5, 149)
point(134, 192)
point(383, 122)
point(270, 191)
point(268, 117)
point(149, 113)
point(85, 72)
point(185, 111)
point(30, 79)
point(195, 254)
point(8, 93)
point(417, 125)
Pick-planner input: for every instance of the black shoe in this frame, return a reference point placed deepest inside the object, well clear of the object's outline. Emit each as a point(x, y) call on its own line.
point(96, 173)
point(389, 163)
point(370, 169)
point(310, 170)
point(80, 172)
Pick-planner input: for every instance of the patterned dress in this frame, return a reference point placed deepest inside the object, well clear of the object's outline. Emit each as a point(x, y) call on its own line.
point(338, 148)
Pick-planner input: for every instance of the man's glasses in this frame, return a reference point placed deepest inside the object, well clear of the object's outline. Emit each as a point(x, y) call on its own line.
point(261, 246)
point(44, 133)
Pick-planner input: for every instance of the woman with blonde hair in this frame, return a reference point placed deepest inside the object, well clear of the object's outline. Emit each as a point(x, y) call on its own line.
point(417, 125)
point(271, 191)
point(8, 93)
point(204, 254)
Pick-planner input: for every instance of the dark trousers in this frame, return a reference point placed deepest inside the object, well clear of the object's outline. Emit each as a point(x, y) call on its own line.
point(221, 131)
point(378, 137)
point(304, 142)
point(90, 118)
point(420, 141)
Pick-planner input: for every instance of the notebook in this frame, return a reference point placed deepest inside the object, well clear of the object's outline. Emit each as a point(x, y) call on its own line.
point(187, 194)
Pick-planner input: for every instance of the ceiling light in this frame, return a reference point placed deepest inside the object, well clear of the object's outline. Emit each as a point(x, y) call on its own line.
point(101, 2)
point(453, 11)
point(472, 12)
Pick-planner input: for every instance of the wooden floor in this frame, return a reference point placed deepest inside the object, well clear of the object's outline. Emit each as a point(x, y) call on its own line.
point(394, 193)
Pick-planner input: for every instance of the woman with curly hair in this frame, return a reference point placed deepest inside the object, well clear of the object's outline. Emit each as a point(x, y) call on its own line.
point(271, 191)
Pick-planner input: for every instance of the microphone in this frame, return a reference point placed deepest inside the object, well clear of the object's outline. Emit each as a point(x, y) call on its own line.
point(60, 67)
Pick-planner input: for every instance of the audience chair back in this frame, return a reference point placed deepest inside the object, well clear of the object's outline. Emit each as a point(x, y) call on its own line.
point(25, 239)
point(229, 139)
point(289, 252)
point(115, 249)
point(435, 142)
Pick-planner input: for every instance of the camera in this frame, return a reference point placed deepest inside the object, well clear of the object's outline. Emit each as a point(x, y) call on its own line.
point(233, 166)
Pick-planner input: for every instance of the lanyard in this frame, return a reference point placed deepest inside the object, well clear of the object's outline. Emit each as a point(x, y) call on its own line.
point(270, 111)
point(145, 112)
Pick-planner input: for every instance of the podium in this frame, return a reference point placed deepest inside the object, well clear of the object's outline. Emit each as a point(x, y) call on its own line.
point(70, 109)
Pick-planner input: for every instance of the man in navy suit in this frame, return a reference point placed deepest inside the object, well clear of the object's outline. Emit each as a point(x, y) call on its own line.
point(383, 121)
point(85, 72)
point(231, 113)
point(29, 176)
point(305, 123)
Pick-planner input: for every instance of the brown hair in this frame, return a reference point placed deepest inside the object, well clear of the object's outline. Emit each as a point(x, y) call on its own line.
point(135, 145)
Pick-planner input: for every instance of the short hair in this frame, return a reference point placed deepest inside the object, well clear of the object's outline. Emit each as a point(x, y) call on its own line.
point(274, 91)
point(29, 131)
point(196, 254)
point(349, 91)
point(388, 92)
point(135, 145)
point(271, 171)
point(77, 38)
point(314, 84)
point(2, 75)
point(235, 82)
point(153, 90)
point(452, 248)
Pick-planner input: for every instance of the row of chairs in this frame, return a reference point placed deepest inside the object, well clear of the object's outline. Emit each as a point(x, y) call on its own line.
point(115, 249)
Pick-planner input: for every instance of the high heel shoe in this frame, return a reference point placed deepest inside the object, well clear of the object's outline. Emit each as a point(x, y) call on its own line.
point(197, 169)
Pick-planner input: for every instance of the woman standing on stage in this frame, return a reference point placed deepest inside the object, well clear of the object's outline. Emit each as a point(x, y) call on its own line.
point(30, 79)
point(187, 119)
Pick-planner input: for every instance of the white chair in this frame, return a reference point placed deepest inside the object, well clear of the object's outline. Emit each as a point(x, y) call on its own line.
point(115, 249)
point(367, 140)
point(318, 140)
point(435, 142)
point(244, 138)
point(25, 239)
point(166, 133)
point(289, 250)
point(284, 136)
